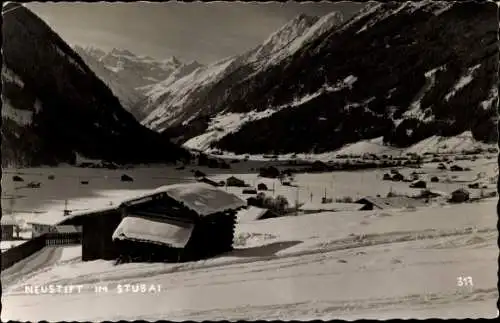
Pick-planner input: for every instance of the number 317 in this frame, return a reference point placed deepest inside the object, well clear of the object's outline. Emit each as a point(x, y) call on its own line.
point(464, 281)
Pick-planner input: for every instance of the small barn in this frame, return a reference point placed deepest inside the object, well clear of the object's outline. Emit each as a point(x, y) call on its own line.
point(394, 202)
point(397, 177)
point(95, 224)
point(253, 213)
point(418, 184)
point(459, 196)
point(8, 223)
point(172, 223)
point(262, 187)
point(126, 178)
point(236, 182)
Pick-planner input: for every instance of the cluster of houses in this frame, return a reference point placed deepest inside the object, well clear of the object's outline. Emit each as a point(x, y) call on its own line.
point(183, 222)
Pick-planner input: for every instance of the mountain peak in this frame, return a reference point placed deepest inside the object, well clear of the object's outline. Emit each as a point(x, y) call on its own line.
point(172, 60)
point(303, 16)
point(121, 52)
point(46, 82)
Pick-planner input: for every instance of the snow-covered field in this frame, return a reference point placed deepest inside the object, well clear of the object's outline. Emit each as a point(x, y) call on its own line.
point(105, 187)
point(349, 265)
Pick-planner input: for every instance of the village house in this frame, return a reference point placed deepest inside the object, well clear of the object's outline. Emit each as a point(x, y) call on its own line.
point(253, 213)
point(394, 202)
point(38, 229)
point(167, 224)
point(459, 196)
point(236, 182)
point(8, 223)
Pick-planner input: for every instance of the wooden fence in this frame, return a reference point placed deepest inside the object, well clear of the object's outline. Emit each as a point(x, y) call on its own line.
point(20, 252)
point(61, 239)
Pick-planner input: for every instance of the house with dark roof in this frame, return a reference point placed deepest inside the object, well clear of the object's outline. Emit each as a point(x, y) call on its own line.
point(236, 182)
point(172, 223)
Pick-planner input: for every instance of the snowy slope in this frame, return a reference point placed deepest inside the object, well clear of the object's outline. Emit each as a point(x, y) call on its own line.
point(343, 265)
point(409, 84)
point(120, 87)
point(56, 106)
point(133, 71)
point(179, 102)
point(463, 142)
point(226, 123)
point(139, 70)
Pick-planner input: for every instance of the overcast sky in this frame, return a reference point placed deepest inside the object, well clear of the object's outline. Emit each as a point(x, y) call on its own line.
point(190, 31)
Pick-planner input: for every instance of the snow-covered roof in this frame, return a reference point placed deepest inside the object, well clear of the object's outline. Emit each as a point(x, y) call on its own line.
point(251, 213)
point(331, 207)
point(163, 231)
point(202, 198)
point(57, 217)
point(8, 219)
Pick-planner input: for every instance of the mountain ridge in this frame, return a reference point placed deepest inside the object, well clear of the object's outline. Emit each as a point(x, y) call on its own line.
point(406, 83)
point(55, 107)
point(181, 101)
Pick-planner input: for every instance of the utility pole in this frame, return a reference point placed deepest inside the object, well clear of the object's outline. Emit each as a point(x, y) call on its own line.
point(12, 202)
point(331, 188)
point(65, 211)
point(297, 201)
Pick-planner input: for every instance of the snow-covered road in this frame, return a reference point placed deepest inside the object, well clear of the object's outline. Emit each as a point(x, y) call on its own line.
point(333, 265)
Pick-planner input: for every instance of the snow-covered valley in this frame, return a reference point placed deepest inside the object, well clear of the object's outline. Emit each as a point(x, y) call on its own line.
point(392, 263)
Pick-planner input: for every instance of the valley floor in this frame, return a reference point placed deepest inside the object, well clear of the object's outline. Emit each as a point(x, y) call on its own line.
point(435, 261)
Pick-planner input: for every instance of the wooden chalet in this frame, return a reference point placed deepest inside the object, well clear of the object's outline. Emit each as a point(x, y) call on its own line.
point(172, 223)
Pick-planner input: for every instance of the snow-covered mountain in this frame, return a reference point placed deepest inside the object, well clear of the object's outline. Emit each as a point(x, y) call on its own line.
point(126, 93)
point(131, 76)
point(383, 73)
point(139, 70)
point(174, 103)
point(54, 107)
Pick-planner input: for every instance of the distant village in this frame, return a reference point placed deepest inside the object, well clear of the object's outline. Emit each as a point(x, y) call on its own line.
point(116, 231)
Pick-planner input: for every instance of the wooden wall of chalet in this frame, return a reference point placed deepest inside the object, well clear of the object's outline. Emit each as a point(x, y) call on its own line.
point(7, 232)
point(212, 235)
point(96, 236)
